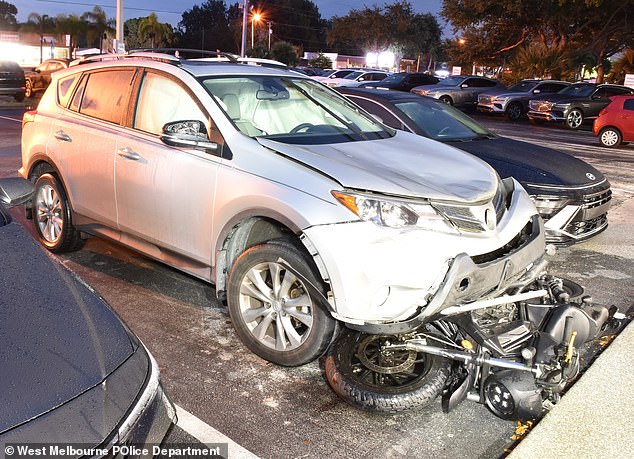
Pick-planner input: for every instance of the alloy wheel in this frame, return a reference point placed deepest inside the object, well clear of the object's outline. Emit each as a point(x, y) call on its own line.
point(49, 213)
point(574, 119)
point(276, 306)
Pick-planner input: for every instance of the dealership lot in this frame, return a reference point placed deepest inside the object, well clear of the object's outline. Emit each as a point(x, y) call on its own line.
point(281, 412)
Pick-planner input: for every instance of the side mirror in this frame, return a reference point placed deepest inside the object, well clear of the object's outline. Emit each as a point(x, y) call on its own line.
point(597, 97)
point(537, 91)
point(361, 79)
point(187, 134)
point(464, 85)
point(15, 191)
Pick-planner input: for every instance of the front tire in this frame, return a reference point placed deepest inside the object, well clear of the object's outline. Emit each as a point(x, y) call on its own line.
point(610, 137)
point(371, 378)
point(446, 100)
point(574, 119)
point(52, 216)
point(514, 111)
point(273, 297)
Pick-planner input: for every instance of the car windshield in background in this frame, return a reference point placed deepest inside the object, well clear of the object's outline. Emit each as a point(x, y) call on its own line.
point(442, 122)
point(353, 75)
point(523, 86)
point(397, 78)
point(291, 110)
point(578, 90)
point(451, 81)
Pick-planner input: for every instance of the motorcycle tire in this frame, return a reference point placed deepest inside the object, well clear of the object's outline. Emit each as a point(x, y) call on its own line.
point(412, 381)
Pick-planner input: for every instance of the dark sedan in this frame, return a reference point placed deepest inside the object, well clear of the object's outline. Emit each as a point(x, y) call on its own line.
point(403, 81)
point(72, 373)
point(572, 196)
point(11, 80)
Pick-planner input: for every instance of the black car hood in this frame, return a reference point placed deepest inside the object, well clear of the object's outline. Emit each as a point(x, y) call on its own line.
point(529, 163)
point(57, 338)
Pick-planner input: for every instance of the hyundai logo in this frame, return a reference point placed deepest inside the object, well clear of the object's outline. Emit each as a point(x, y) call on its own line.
point(590, 176)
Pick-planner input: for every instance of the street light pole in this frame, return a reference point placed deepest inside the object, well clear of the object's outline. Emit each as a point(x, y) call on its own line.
point(270, 32)
point(119, 34)
point(244, 29)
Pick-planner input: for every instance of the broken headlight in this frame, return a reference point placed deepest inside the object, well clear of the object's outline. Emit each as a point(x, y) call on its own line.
point(392, 213)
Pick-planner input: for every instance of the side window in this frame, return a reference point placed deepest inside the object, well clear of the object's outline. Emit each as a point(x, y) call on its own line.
point(376, 109)
point(609, 92)
point(482, 83)
point(64, 87)
point(162, 100)
point(106, 95)
point(549, 88)
point(628, 104)
point(74, 105)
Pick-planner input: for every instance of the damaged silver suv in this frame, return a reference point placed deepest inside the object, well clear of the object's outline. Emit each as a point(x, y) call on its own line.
point(301, 208)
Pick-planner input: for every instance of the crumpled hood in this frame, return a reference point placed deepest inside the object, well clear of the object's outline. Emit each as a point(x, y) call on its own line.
point(530, 163)
point(403, 165)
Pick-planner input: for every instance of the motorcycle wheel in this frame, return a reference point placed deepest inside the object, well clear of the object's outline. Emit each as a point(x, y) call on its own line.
point(386, 381)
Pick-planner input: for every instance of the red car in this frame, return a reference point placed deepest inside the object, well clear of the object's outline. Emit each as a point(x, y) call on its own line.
point(615, 124)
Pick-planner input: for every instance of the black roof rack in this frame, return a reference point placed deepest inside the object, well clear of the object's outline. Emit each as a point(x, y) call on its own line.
point(186, 53)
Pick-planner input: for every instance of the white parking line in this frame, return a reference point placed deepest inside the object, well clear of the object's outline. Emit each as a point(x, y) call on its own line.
point(204, 433)
point(10, 119)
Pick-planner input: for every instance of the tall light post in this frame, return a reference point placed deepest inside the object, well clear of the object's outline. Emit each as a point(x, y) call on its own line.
point(244, 30)
point(254, 18)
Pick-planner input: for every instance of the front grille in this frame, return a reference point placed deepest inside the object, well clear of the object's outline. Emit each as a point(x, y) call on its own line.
point(518, 241)
point(597, 199)
point(540, 105)
point(485, 99)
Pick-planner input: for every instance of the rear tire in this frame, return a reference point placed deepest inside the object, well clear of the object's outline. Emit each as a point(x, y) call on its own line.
point(610, 137)
point(28, 92)
point(274, 305)
point(386, 381)
point(574, 119)
point(52, 216)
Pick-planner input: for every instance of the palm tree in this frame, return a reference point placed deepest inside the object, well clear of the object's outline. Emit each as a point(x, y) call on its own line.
point(622, 66)
point(158, 32)
point(98, 25)
point(71, 25)
point(39, 24)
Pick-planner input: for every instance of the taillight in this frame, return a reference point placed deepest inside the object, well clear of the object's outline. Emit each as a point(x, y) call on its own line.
point(28, 117)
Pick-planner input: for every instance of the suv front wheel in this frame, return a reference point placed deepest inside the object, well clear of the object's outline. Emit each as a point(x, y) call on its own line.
point(273, 298)
point(52, 217)
point(574, 119)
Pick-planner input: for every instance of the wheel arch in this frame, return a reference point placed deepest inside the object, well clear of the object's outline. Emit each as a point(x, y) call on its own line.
point(41, 164)
point(247, 230)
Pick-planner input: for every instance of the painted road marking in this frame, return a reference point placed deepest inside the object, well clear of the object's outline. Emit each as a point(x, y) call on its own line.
point(204, 433)
point(10, 119)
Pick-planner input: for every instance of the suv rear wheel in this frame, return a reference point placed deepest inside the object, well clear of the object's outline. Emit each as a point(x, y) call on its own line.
point(52, 217)
point(273, 298)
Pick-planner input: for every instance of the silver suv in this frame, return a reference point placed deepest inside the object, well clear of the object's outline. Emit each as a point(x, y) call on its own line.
point(301, 208)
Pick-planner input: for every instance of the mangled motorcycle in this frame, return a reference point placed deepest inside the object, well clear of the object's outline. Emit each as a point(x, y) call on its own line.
point(512, 345)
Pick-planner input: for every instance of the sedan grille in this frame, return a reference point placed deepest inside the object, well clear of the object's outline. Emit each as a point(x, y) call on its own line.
point(540, 105)
point(597, 199)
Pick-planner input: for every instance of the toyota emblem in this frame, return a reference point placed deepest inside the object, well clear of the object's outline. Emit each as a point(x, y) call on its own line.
point(590, 175)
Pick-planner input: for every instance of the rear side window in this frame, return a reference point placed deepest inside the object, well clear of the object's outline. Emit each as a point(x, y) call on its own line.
point(64, 87)
point(628, 104)
point(106, 95)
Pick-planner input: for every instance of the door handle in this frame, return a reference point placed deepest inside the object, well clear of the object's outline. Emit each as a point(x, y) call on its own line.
point(61, 135)
point(128, 154)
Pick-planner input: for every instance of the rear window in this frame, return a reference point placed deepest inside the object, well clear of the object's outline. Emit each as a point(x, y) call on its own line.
point(64, 87)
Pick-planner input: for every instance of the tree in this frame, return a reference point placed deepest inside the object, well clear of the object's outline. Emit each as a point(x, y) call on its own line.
point(622, 66)
point(284, 52)
point(494, 30)
point(321, 62)
point(98, 25)
point(160, 34)
point(7, 15)
point(41, 24)
point(206, 27)
point(295, 21)
point(71, 25)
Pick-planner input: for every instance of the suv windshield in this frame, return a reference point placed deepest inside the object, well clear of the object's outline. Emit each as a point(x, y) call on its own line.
point(523, 86)
point(442, 122)
point(578, 90)
point(292, 110)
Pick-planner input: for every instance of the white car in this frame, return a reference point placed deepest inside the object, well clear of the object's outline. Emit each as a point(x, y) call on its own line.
point(357, 78)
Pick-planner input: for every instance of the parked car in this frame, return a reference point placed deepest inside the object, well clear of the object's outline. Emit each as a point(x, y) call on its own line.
point(513, 102)
point(72, 372)
point(331, 74)
point(39, 78)
point(300, 208)
point(357, 78)
point(575, 104)
point(572, 196)
point(461, 91)
point(615, 123)
point(402, 81)
point(12, 80)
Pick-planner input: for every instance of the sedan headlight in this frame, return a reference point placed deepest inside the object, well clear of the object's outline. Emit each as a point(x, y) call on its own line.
point(549, 205)
point(383, 211)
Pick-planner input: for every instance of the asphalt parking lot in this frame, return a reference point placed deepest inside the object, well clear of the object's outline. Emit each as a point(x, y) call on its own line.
point(280, 412)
